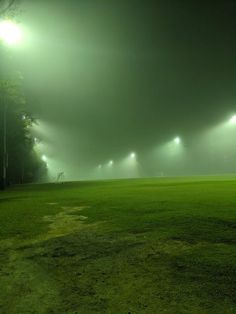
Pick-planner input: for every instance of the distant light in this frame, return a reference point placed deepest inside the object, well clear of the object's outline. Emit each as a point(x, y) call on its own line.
point(111, 162)
point(44, 158)
point(10, 33)
point(177, 140)
point(99, 166)
point(23, 117)
point(36, 140)
point(132, 155)
point(233, 119)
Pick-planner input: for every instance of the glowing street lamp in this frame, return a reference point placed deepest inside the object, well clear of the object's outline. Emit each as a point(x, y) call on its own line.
point(177, 140)
point(10, 33)
point(233, 119)
point(132, 155)
point(110, 163)
point(44, 158)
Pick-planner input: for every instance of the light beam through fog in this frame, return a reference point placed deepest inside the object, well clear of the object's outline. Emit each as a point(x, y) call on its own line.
point(104, 86)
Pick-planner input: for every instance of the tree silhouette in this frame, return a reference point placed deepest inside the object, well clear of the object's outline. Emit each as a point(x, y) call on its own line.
point(6, 6)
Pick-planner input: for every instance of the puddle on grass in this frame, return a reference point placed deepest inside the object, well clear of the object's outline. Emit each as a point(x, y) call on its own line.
point(66, 222)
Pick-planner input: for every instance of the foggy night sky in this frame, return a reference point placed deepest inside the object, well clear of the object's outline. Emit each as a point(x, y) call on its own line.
point(109, 77)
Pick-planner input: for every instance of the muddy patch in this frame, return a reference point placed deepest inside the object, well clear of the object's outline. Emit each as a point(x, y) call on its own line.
point(66, 222)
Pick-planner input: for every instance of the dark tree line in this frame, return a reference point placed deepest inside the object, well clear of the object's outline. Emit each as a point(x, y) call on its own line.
point(19, 158)
point(19, 162)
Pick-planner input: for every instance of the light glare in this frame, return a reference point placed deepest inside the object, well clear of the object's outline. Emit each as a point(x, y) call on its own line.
point(177, 140)
point(233, 119)
point(10, 33)
point(44, 158)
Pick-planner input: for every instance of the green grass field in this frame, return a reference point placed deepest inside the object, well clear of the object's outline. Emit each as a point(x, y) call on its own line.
point(119, 247)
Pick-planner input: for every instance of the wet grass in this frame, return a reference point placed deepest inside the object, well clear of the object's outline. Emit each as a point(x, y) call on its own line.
point(125, 246)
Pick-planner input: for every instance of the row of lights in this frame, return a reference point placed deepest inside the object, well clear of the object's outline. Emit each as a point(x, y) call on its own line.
point(132, 155)
point(111, 162)
point(176, 140)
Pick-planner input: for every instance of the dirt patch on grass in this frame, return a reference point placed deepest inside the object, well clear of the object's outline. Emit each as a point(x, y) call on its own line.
point(66, 222)
point(26, 284)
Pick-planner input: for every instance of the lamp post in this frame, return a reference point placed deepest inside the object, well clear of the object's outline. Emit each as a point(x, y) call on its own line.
point(10, 34)
point(4, 161)
point(233, 119)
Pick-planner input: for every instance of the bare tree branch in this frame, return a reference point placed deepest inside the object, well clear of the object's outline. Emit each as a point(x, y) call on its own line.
point(6, 5)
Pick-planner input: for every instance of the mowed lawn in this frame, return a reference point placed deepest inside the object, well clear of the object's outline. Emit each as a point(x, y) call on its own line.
point(123, 246)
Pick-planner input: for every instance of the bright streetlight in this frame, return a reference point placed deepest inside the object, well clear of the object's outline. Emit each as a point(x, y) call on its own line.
point(10, 32)
point(233, 119)
point(111, 162)
point(132, 155)
point(44, 158)
point(177, 140)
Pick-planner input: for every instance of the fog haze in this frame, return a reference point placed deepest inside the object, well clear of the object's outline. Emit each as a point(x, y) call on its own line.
point(107, 78)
